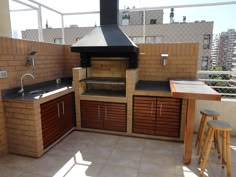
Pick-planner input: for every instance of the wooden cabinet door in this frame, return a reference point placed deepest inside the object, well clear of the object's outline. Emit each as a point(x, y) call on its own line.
point(168, 117)
point(50, 122)
point(144, 115)
point(115, 116)
point(57, 118)
point(67, 112)
point(92, 113)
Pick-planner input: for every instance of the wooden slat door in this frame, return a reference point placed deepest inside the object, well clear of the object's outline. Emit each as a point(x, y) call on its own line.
point(92, 113)
point(144, 115)
point(57, 118)
point(115, 116)
point(67, 112)
point(168, 117)
point(50, 122)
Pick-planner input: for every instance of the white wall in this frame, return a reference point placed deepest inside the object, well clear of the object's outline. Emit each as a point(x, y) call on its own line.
point(226, 108)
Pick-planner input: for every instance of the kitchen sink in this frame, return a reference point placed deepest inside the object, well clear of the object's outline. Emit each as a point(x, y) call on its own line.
point(37, 92)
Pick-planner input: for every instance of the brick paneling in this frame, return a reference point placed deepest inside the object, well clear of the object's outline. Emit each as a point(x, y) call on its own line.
point(182, 61)
point(24, 130)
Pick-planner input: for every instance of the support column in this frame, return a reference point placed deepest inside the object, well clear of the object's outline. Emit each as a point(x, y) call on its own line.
point(5, 21)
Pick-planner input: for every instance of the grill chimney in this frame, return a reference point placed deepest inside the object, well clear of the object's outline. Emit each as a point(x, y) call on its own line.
point(109, 12)
point(172, 15)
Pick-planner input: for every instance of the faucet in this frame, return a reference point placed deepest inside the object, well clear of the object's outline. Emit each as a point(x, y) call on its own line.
point(21, 82)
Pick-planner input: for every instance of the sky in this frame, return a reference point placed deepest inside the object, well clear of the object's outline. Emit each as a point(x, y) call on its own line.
point(223, 16)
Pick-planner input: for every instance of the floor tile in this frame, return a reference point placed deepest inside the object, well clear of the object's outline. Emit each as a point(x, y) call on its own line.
point(9, 172)
point(31, 175)
point(141, 174)
point(16, 161)
point(125, 158)
point(117, 171)
point(130, 144)
point(85, 154)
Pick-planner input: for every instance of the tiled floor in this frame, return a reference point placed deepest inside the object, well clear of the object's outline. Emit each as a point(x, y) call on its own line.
point(98, 155)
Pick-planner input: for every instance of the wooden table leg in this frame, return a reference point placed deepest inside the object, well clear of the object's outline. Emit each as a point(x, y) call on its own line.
point(188, 136)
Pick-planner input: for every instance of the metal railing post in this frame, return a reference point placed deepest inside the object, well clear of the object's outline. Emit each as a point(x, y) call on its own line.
point(62, 29)
point(144, 25)
point(40, 28)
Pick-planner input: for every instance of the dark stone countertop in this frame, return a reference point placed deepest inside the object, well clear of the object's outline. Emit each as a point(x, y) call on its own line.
point(38, 90)
point(159, 86)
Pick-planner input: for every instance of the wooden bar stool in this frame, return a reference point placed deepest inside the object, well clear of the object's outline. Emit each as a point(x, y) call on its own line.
point(225, 128)
point(206, 113)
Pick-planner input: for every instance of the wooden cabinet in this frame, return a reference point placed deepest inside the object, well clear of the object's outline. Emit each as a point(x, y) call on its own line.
point(103, 115)
point(91, 114)
point(144, 115)
point(156, 116)
point(57, 117)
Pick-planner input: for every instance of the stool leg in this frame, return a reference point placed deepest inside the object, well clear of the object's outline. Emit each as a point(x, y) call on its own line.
point(223, 148)
point(200, 134)
point(204, 145)
point(216, 139)
point(199, 130)
point(206, 149)
point(217, 143)
point(228, 156)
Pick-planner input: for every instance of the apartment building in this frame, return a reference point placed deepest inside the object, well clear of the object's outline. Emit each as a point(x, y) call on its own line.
point(215, 51)
point(227, 49)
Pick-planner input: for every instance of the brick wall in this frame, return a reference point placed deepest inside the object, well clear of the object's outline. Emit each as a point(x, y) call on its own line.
point(72, 60)
point(24, 130)
point(182, 61)
point(51, 61)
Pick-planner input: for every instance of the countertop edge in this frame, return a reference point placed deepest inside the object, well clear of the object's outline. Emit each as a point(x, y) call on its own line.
point(42, 100)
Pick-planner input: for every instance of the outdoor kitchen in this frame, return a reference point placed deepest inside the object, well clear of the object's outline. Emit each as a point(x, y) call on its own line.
point(102, 90)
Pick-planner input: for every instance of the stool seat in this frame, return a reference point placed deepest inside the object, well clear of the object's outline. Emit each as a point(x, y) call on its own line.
point(210, 113)
point(219, 125)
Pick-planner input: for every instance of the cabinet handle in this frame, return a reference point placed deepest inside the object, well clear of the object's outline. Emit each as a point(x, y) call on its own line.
point(99, 112)
point(63, 108)
point(58, 110)
point(105, 112)
point(151, 108)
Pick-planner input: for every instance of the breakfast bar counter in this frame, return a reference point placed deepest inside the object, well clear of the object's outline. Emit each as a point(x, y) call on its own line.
point(191, 90)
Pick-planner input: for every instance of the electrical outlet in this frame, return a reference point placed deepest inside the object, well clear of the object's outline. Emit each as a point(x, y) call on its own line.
point(3, 74)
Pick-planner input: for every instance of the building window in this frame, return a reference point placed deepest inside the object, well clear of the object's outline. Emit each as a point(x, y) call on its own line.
point(153, 21)
point(137, 40)
point(125, 18)
point(205, 61)
point(58, 40)
point(153, 39)
point(206, 41)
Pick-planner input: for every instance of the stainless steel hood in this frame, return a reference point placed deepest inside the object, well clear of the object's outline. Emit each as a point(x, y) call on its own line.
point(107, 40)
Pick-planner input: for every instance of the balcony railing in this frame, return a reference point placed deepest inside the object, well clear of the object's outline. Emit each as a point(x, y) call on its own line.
point(223, 82)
